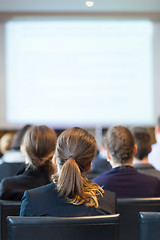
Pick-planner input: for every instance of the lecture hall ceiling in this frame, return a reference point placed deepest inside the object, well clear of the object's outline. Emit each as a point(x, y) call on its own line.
point(79, 6)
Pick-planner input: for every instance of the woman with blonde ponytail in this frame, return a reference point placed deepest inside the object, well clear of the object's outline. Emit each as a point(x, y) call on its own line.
point(71, 193)
point(38, 147)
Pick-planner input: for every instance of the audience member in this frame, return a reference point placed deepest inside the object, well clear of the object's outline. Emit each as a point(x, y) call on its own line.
point(154, 156)
point(142, 139)
point(5, 142)
point(71, 193)
point(99, 163)
point(13, 160)
point(123, 179)
point(14, 154)
point(38, 146)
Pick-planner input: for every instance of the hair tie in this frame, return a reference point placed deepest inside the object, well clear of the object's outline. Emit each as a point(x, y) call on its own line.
point(72, 156)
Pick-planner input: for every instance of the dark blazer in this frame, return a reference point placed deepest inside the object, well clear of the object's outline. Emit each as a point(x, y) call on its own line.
point(45, 201)
point(12, 188)
point(126, 182)
point(100, 164)
point(147, 168)
point(8, 169)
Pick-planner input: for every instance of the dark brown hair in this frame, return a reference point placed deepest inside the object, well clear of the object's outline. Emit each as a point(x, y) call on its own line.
point(142, 138)
point(16, 143)
point(75, 151)
point(39, 143)
point(120, 144)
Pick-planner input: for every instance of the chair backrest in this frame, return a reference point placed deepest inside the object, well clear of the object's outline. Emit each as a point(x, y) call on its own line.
point(149, 225)
point(7, 208)
point(30, 228)
point(129, 209)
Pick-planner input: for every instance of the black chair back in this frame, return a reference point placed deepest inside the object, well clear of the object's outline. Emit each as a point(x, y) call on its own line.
point(7, 208)
point(129, 209)
point(103, 227)
point(149, 225)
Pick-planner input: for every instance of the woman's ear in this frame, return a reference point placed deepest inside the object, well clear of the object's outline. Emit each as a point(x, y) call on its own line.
point(54, 160)
point(135, 149)
point(22, 149)
point(151, 148)
point(108, 156)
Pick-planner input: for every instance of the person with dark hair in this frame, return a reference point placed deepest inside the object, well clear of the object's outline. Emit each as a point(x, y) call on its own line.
point(142, 139)
point(99, 164)
point(71, 193)
point(13, 160)
point(38, 147)
point(14, 154)
point(123, 179)
point(154, 155)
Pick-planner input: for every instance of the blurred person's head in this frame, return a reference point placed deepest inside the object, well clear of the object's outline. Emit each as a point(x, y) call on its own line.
point(75, 151)
point(157, 130)
point(142, 139)
point(120, 146)
point(19, 137)
point(39, 145)
point(5, 142)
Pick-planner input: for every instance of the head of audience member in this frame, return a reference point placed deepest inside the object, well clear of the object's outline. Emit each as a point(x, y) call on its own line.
point(75, 151)
point(38, 146)
point(5, 142)
point(157, 130)
point(142, 139)
point(120, 146)
point(19, 137)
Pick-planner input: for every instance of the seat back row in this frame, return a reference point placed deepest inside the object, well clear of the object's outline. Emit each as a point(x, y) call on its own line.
point(128, 208)
point(105, 227)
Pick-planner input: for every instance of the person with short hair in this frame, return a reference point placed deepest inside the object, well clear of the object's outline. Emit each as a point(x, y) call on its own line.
point(38, 147)
point(154, 155)
point(71, 193)
point(142, 139)
point(123, 179)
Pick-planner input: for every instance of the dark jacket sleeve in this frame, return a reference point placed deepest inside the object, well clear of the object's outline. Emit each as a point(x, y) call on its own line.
point(26, 209)
point(4, 190)
point(9, 189)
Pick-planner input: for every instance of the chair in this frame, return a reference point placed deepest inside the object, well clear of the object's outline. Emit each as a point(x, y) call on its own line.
point(149, 225)
point(129, 209)
point(7, 208)
point(103, 227)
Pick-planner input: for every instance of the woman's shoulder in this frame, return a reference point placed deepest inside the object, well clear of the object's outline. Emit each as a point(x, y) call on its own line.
point(49, 188)
point(40, 199)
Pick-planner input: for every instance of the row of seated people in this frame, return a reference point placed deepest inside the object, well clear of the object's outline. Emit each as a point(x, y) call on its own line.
point(60, 165)
point(12, 159)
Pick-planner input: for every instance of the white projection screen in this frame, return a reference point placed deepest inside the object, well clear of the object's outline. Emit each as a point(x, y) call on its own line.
point(85, 72)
